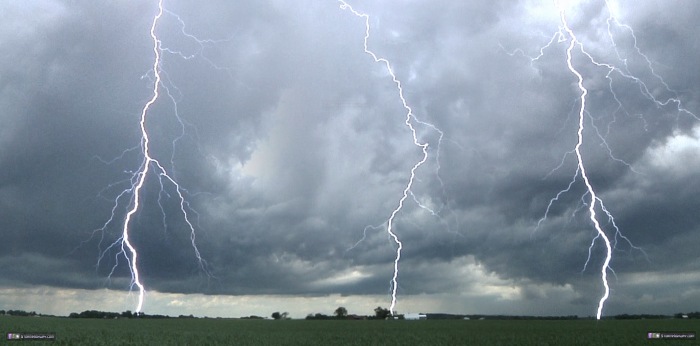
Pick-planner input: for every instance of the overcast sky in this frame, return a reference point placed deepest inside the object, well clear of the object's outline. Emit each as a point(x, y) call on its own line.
point(288, 140)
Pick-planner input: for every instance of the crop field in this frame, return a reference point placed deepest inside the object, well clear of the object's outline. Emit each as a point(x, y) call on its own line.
point(175, 331)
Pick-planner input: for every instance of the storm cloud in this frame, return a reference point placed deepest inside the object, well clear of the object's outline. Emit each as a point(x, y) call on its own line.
point(290, 145)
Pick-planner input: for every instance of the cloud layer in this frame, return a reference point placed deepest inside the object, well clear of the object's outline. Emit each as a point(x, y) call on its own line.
point(290, 141)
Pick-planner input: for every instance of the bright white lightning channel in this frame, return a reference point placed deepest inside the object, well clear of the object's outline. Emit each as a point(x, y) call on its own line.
point(567, 34)
point(410, 119)
point(138, 180)
point(582, 168)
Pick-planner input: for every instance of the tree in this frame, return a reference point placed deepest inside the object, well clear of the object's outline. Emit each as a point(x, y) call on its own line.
point(341, 312)
point(280, 316)
point(381, 313)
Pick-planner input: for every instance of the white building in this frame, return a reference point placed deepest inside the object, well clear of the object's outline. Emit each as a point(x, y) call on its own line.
point(415, 316)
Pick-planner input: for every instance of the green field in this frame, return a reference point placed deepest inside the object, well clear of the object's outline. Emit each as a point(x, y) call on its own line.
point(176, 331)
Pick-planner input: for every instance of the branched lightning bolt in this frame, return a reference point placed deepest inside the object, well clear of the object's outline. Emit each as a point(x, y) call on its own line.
point(410, 119)
point(149, 164)
point(593, 198)
point(582, 168)
point(145, 165)
point(621, 69)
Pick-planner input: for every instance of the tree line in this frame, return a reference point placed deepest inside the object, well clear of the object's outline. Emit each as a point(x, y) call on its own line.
point(17, 313)
point(112, 315)
point(341, 313)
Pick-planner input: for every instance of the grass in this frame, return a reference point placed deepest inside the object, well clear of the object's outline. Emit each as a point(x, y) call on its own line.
point(333, 332)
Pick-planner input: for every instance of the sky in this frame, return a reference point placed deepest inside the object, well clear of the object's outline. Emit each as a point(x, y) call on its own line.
point(290, 147)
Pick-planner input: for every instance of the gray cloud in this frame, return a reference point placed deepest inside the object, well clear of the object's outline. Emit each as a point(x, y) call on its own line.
point(288, 140)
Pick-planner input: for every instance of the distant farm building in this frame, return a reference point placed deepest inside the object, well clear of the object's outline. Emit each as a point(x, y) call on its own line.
point(415, 316)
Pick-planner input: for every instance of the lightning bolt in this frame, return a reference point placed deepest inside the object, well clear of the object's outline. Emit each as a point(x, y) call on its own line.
point(146, 164)
point(582, 168)
point(149, 165)
point(410, 118)
point(593, 201)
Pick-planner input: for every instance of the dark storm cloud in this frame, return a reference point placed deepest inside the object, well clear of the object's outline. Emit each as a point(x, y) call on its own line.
point(289, 141)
